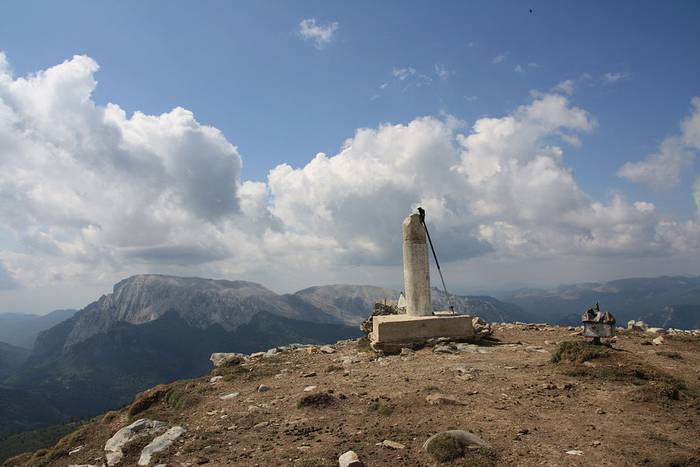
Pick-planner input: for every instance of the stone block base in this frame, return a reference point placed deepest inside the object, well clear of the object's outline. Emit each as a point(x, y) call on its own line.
point(392, 332)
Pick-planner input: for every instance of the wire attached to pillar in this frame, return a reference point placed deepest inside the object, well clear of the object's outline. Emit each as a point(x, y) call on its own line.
point(421, 212)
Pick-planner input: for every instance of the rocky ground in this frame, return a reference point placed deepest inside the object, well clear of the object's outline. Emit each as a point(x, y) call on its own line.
point(636, 403)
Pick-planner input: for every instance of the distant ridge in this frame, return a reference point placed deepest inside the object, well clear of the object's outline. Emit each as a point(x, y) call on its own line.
point(666, 301)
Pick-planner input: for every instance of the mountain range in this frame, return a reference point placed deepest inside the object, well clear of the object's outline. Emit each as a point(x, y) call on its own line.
point(669, 301)
point(155, 329)
point(21, 329)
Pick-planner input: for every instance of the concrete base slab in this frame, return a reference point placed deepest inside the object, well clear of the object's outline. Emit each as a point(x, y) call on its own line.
point(392, 332)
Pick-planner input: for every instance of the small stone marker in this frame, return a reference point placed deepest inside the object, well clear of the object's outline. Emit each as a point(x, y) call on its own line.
point(597, 324)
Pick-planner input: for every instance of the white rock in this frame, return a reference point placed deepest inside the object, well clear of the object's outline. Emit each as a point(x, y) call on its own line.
point(309, 388)
point(221, 358)
point(575, 452)
point(75, 450)
point(160, 443)
point(387, 443)
point(216, 379)
point(658, 340)
point(349, 459)
point(656, 331)
point(138, 429)
point(633, 325)
point(327, 349)
point(230, 396)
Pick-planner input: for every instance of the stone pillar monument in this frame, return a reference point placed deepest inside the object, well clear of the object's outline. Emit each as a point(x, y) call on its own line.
point(416, 269)
point(392, 332)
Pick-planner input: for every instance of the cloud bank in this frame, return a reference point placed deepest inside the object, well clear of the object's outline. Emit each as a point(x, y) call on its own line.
point(89, 192)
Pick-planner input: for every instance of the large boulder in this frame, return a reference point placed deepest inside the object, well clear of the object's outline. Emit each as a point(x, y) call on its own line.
point(160, 443)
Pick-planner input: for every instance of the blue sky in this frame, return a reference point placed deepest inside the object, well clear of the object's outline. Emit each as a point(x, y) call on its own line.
point(244, 68)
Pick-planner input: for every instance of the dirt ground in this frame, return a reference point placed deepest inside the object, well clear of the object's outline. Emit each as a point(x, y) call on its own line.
point(618, 410)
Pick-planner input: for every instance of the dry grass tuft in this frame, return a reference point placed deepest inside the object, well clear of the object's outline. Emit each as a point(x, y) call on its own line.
point(445, 448)
point(317, 400)
point(146, 399)
point(669, 354)
point(578, 352)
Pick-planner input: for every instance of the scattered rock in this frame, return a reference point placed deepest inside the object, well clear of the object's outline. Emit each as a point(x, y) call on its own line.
point(349, 459)
point(263, 388)
point(445, 348)
point(160, 443)
point(138, 429)
point(387, 443)
point(261, 425)
point(309, 375)
point(442, 399)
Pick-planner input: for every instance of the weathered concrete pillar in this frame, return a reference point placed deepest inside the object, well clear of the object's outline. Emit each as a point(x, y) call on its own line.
point(416, 270)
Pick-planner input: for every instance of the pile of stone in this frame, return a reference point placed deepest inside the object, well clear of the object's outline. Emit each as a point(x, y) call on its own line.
point(481, 327)
point(639, 326)
point(380, 309)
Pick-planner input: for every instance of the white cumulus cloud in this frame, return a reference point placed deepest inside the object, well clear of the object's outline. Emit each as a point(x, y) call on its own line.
point(663, 169)
point(320, 34)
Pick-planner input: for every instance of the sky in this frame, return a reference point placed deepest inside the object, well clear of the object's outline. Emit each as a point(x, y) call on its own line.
point(284, 142)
